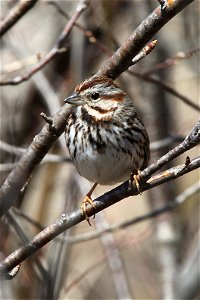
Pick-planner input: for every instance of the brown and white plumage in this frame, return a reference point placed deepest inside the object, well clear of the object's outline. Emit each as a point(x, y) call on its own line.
point(104, 134)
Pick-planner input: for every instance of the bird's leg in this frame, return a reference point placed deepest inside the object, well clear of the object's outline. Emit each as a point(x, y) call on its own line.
point(136, 177)
point(86, 200)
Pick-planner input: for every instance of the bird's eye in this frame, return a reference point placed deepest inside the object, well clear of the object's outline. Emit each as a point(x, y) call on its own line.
point(95, 96)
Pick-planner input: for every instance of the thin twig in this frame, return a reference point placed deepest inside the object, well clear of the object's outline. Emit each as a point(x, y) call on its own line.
point(144, 52)
point(168, 141)
point(88, 34)
point(19, 151)
point(56, 50)
point(171, 61)
point(55, 158)
point(24, 239)
point(121, 59)
point(189, 142)
point(166, 87)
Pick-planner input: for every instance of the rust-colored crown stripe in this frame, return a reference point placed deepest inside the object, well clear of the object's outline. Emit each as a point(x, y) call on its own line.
point(94, 80)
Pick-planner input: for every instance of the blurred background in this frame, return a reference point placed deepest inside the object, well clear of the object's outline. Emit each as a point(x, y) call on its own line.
point(154, 259)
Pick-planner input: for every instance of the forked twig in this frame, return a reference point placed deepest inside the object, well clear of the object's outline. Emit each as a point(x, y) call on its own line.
point(56, 50)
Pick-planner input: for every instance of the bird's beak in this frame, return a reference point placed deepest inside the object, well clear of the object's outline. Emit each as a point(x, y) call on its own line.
point(74, 99)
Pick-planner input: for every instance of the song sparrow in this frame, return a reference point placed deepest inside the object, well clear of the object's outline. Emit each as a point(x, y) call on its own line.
point(104, 134)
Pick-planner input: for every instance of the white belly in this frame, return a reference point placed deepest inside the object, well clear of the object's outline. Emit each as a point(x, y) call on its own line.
point(107, 168)
point(104, 165)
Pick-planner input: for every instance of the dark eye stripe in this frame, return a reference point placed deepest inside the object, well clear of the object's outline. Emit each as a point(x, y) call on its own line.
point(116, 97)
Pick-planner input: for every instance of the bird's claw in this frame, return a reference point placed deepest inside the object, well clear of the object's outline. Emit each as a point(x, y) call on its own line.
point(137, 179)
point(86, 200)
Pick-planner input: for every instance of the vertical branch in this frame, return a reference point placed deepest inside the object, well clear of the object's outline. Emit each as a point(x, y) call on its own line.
point(114, 260)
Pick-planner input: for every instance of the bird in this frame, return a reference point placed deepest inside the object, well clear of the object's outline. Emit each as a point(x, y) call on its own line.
point(105, 136)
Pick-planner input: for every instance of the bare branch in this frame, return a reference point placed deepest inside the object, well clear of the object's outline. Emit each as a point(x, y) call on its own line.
point(121, 59)
point(32, 157)
point(122, 225)
point(144, 52)
point(168, 141)
point(113, 259)
point(56, 50)
point(53, 158)
point(56, 158)
point(165, 86)
point(188, 275)
point(7, 167)
point(88, 34)
point(171, 61)
point(15, 15)
point(20, 233)
point(180, 199)
point(189, 142)
point(102, 202)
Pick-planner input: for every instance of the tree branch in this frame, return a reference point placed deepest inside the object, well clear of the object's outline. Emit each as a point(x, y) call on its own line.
point(56, 50)
point(171, 61)
point(39, 147)
point(121, 59)
point(56, 158)
point(85, 237)
point(69, 220)
point(15, 15)
point(165, 86)
point(189, 142)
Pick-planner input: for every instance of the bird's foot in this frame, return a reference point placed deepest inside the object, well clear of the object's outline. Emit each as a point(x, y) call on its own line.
point(86, 200)
point(136, 178)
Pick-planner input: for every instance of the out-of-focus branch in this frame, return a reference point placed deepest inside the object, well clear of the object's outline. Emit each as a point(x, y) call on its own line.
point(187, 277)
point(20, 233)
point(56, 50)
point(114, 260)
point(168, 141)
point(19, 151)
point(102, 202)
point(171, 61)
point(88, 34)
point(15, 15)
point(165, 86)
point(189, 142)
point(121, 59)
point(56, 158)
